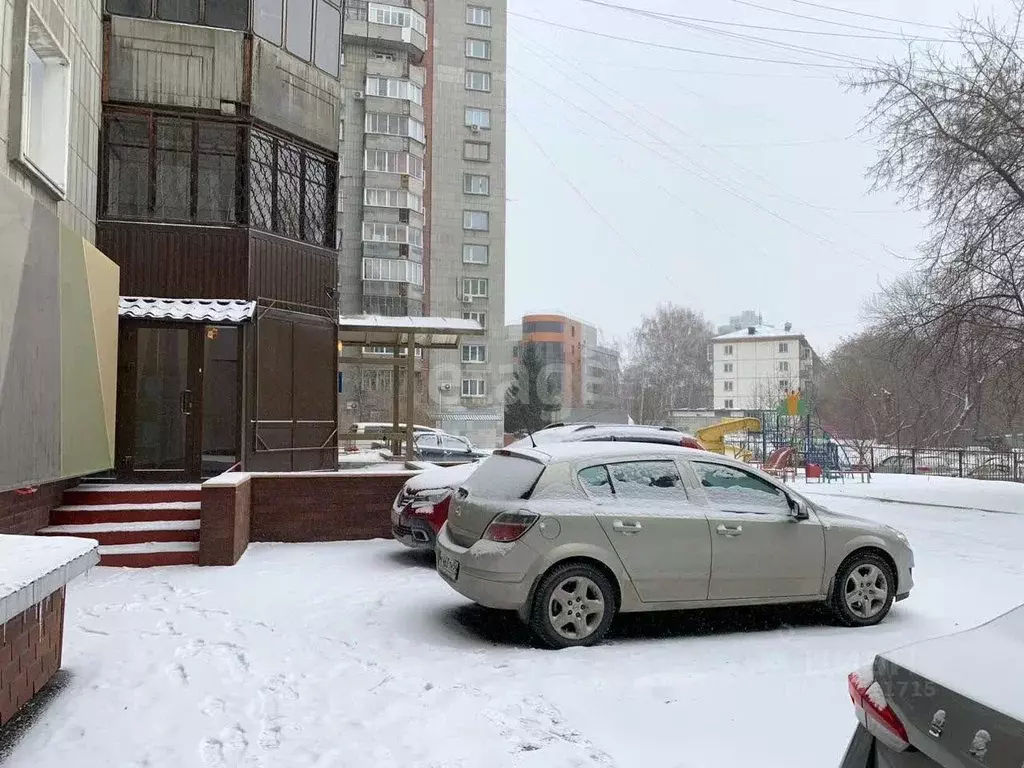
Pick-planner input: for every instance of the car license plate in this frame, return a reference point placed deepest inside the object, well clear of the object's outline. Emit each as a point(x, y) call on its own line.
point(395, 516)
point(448, 566)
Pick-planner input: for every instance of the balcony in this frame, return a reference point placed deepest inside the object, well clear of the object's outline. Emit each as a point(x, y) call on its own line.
point(387, 26)
point(393, 271)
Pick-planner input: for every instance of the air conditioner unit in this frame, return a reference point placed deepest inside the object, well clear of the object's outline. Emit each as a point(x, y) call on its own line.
point(351, 405)
point(359, 95)
point(474, 128)
point(467, 299)
point(446, 387)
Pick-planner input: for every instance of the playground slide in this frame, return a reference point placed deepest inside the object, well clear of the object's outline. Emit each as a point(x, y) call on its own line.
point(713, 437)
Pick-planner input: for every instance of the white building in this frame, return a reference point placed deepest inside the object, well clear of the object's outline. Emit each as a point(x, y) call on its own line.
point(755, 367)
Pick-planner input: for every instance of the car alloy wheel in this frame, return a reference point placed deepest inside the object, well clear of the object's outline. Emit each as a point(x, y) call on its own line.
point(573, 605)
point(864, 591)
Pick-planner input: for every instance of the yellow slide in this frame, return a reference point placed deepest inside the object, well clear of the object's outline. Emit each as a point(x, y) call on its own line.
point(713, 437)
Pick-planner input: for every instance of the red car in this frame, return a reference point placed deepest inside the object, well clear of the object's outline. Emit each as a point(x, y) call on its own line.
point(421, 507)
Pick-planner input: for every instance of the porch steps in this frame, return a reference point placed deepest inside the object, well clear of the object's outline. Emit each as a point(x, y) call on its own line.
point(137, 526)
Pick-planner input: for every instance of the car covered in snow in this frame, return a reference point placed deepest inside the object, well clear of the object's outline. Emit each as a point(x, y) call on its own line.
point(949, 702)
point(568, 535)
point(421, 507)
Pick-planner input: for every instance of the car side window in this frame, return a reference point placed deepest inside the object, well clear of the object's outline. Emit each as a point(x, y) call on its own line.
point(735, 488)
point(426, 441)
point(652, 480)
point(596, 482)
point(454, 444)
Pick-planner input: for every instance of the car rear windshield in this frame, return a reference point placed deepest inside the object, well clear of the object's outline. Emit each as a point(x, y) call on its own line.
point(504, 477)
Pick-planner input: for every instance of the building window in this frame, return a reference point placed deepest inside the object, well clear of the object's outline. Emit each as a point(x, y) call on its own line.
point(478, 49)
point(727, 368)
point(474, 287)
point(291, 190)
point(783, 348)
point(477, 151)
point(477, 118)
point(727, 350)
point(474, 353)
point(727, 386)
point(784, 384)
point(480, 317)
point(392, 198)
point(476, 221)
point(298, 28)
point(376, 379)
point(382, 232)
point(181, 170)
point(393, 271)
point(395, 125)
point(478, 81)
point(327, 33)
point(43, 135)
point(393, 16)
point(388, 161)
point(230, 14)
point(474, 253)
point(382, 56)
point(478, 15)
point(728, 404)
point(783, 365)
point(268, 19)
point(394, 88)
point(476, 184)
point(474, 388)
point(543, 326)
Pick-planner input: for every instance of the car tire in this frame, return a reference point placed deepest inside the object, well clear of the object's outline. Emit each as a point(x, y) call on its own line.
point(858, 599)
point(582, 586)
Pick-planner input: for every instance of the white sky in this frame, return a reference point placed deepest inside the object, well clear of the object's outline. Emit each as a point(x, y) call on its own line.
point(669, 134)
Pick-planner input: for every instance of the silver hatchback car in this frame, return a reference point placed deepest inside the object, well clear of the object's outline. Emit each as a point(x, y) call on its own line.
point(570, 534)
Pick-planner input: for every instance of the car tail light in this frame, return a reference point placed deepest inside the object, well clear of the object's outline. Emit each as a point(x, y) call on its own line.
point(510, 526)
point(874, 711)
point(426, 504)
point(689, 442)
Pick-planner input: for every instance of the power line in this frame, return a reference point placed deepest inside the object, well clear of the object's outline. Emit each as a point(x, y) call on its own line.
point(650, 44)
point(817, 19)
point(789, 30)
point(871, 15)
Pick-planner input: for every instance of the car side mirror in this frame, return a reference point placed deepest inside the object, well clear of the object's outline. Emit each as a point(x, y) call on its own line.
point(798, 510)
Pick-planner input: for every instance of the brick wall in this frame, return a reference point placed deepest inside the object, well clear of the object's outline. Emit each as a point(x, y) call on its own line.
point(224, 523)
point(30, 653)
point(27, 514)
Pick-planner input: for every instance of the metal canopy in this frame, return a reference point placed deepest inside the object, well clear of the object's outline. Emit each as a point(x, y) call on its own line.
point(425, 332)
point(218, 311)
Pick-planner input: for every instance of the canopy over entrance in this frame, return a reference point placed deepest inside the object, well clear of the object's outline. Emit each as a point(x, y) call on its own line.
point(404, 335)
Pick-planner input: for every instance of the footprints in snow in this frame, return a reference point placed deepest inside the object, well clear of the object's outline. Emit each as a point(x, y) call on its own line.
point(228, 748)
point(533, 724)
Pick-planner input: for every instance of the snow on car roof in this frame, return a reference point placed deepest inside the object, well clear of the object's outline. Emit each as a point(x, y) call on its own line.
point(571, 451)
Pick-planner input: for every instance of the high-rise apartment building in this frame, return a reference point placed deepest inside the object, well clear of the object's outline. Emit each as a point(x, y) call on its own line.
point(466, 203)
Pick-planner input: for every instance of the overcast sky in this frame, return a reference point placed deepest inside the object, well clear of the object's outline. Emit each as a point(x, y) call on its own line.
point(640, 175)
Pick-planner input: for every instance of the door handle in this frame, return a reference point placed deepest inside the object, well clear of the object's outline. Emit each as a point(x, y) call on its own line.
point(186, 402)
point(629, 527)
point(729, 530)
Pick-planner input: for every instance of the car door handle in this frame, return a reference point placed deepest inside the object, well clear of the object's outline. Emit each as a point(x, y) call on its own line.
point(623, 527)
point(729, 530)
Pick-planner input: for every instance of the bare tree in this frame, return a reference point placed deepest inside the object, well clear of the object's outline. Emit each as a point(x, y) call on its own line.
point(951, 130)
point(667, 365)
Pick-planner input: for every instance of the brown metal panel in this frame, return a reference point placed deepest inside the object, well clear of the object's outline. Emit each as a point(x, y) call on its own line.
point(292, 271)
point(177, 261)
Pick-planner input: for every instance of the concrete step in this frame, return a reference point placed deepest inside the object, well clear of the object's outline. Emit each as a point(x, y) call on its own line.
point(150, 554)
point(140, 532)
point(84, 514)
point(94, 494)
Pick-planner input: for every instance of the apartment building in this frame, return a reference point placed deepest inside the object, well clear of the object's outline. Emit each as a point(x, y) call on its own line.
point(58, 292)
point(218, 200)
point(755, 367)
point(466, 210)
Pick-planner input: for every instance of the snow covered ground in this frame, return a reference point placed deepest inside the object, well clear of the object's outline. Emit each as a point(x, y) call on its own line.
point(358, 655)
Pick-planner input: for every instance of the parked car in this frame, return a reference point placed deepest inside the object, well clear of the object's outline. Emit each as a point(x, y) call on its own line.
point(443, 448)
point(421, 507)
point(999, 468)
point(569, 535)
point(374, 434)
point(921, 464)
point(950, 701)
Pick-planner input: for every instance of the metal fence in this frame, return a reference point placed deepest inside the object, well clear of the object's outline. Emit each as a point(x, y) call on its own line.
point(977, 463)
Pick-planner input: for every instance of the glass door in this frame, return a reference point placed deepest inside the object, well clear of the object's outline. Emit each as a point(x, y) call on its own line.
point(165, 375)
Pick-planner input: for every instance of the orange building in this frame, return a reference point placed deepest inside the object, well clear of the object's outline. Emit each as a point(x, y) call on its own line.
point(558, 342)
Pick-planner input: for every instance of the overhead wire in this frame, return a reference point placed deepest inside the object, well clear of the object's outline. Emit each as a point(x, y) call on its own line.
point(882, 34)
point(870, 15)
point(804, 16)
point(694, 51)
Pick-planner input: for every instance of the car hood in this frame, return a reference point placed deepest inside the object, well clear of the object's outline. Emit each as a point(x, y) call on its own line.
point(442, 477)
point(974, 663)
point(841, 520)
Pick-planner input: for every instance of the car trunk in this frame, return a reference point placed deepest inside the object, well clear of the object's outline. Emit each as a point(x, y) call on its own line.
point(959, 693)
point(500, 482)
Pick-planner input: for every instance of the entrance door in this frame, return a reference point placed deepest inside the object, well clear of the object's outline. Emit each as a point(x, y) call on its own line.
point(159, 434)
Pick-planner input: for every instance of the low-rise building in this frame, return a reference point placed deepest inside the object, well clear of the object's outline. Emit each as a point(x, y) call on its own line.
point(757, 366)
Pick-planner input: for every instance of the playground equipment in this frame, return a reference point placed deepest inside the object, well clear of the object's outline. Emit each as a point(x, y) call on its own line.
point(713, 437)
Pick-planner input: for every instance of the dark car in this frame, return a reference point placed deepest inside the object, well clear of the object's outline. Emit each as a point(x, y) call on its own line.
point(421, 507)
point(950, 702)
point(442, 448)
